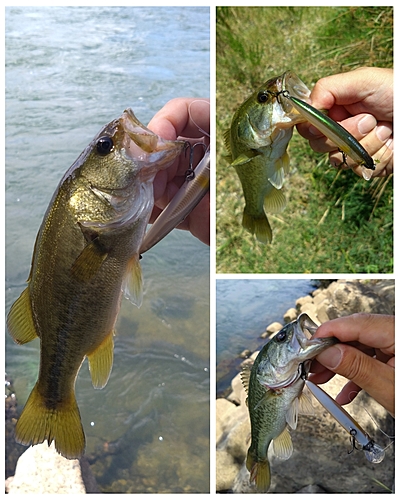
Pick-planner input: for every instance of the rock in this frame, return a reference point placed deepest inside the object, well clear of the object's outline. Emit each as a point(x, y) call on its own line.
point(226, 470)
point(237, 442)
point(290, 315)
point(303, 300)
point(223, 408)
point(311, 310)
point(40, 469)
point(274, 327)
point(245, 354)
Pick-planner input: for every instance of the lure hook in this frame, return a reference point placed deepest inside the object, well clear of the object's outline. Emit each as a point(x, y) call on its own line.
point(190, 174)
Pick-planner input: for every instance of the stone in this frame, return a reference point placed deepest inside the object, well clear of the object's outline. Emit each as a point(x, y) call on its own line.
point(245, 354)
point(226, 470)
point(310, 309)
point(40, 469)
point(290, 315)
point(274, 327)
point(303, 300)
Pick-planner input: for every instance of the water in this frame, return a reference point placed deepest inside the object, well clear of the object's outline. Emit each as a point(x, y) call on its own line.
point(245, 307)
point(70, 70)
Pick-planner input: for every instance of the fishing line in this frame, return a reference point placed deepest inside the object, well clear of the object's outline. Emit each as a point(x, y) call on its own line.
point(193, 120)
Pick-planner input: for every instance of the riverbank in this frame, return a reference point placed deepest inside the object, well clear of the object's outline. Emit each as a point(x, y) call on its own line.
point(321, 446)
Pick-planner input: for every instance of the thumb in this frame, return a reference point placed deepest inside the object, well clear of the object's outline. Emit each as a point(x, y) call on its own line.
point(370, 374)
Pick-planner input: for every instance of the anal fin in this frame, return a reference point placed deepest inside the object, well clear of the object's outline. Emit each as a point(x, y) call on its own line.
point(101, 361)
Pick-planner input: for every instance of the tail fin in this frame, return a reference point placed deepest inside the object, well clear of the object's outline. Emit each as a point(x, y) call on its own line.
point(62, 424)
point(257, 225)
point(260, 472)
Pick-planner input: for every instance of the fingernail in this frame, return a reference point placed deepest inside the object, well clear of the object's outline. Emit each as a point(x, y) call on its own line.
point(313, 130)
point(366, 124)
point(330, 358)
point(383, 132)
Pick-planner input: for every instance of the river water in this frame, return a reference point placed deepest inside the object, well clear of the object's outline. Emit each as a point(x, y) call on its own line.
point(70, 70)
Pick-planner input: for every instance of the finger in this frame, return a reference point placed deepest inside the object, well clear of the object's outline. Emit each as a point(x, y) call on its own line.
point(379, 145)
point(374, 330)
point(372, 375)
point(348, 393)
point(186, 117)
point(322, 377)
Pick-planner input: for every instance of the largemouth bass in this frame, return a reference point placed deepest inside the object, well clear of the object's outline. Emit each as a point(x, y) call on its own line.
point(274, 386)
point(86, 252)
point(257, 141)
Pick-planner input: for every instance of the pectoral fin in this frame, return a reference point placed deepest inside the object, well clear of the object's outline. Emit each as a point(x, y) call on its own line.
point(244, 158)
point(133, 282)
point(20, 322)
point(89, 261)
point(101, 361)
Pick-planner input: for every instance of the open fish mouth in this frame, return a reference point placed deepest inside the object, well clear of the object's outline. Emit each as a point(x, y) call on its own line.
point(144, 145)
point(295, 86)
point(291, 83)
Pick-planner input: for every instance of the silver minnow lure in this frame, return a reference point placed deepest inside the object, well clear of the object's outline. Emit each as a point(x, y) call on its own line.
point(345, 141)
point(373, 452)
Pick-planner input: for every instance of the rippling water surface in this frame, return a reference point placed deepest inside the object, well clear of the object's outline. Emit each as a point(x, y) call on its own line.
point(70, 70)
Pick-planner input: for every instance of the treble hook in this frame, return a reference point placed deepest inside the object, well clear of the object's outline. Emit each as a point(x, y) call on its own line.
point(353, 441)
point(190, 174)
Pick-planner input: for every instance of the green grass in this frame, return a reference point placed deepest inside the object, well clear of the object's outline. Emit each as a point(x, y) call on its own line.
point(333, 222)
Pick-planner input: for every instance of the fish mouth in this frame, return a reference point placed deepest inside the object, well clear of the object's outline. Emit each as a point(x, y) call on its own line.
point(143, 145)
point(291, 83)
point(306, 347)
point(296, 87)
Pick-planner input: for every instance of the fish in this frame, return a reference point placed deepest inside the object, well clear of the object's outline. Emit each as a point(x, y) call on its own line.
point(274, 386)
point(257, 141)
point(341, 137)
point(373, 452)
point(85, 255)
point(195, 187)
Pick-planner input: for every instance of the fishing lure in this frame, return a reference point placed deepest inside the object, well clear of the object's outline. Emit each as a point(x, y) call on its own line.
point(346, 142)
point(373, 452)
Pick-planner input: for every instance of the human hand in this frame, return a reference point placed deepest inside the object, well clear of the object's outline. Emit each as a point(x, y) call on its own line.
point(362, 102)
point(189, 119)
point(366, 357)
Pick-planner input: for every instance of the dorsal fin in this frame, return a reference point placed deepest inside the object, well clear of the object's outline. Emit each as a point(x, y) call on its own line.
point(245, 376)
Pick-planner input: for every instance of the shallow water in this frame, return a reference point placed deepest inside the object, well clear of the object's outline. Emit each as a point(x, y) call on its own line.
point(70, 70)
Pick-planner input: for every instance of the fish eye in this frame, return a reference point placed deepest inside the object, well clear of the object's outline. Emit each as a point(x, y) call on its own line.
point(262, 96)
point(280, 336)
point(104, 145)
